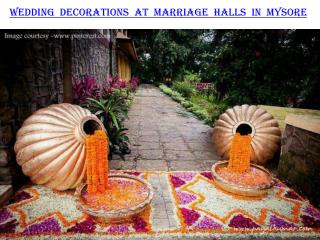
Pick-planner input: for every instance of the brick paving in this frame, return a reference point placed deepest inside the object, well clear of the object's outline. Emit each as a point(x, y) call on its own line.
point(161, 139)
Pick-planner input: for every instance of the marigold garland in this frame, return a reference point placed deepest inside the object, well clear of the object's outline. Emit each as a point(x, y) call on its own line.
point(97, 150)
point(240, 153)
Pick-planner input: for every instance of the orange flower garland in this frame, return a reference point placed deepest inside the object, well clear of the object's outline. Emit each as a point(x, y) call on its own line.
point(240, 153)
point(97, 150)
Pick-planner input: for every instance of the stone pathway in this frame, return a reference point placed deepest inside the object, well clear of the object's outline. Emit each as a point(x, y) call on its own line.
point(162, 139)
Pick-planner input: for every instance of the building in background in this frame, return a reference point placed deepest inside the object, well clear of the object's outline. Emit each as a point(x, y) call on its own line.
point(35, 73)
point(126, 54)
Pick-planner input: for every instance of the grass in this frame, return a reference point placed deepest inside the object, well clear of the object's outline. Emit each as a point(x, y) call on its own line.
point(203, 107)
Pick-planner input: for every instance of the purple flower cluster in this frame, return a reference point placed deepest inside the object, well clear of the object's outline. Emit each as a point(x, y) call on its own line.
point(207, 175)
point(49, 225)
point(280, 223)
point(189, 216)
point(177, 182)
point(208, 223)
point(293, 195)
point(187, 176)
point(240, 221)
point(139, 224)
point(20, 196)
point(9, 227)
point(87, 226)
point(313, 212)
point(5, 214)
point(310, 222)
point(118, 229)
point(185, 198)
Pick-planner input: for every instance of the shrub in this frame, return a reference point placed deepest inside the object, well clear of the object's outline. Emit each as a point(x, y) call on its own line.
point(134, 82)
point(203, 107)
point(185, 88)
point(191, 77)
point(86, 87)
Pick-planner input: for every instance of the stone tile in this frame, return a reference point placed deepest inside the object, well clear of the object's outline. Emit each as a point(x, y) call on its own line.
point(170, 140)
point(149, 133)
point(205, 155)
point(122, 164)
point(152, 154)
point(171, 133)
point(197, 139)
point(185, 166)
point(173, 155)
point(154, 165)
point(148, 145)
point(175, 146)
point(154, 138)
point(207, 165)
point(198, 146)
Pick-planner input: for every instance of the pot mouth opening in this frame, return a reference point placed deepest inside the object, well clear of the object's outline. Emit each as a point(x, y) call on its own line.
point(89, 126)
point(244, 128)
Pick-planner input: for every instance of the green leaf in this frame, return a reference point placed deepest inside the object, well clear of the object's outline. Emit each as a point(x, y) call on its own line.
point(114, 120)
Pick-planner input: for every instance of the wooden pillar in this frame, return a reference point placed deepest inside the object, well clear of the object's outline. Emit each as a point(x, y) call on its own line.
point(67, 70)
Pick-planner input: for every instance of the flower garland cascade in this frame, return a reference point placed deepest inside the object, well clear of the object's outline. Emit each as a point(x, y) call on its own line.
point(97, 150)
point(240, 153)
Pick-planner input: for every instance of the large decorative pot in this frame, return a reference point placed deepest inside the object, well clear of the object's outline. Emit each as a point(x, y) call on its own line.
point(247, 119)
point(50, 145)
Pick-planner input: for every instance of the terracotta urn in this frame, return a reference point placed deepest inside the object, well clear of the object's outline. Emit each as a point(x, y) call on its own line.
point(50, 145)
point(248, 119)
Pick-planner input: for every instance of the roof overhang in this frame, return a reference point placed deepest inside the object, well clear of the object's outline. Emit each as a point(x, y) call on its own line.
point(127, 46)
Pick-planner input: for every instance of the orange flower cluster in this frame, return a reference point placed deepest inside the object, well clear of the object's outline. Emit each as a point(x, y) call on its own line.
point(97, 150)
point(240, 153)
point(254, 177)
point(119, 195)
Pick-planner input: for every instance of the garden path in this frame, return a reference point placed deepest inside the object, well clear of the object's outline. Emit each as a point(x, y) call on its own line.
point(162, 137)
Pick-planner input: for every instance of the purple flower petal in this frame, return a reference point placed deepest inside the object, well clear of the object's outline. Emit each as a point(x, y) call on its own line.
point(133, 173)
point(177, 182)
point(20, 196)
point(313, 212)
point(310, 221)
point(49, 225)
point(118, 229)
point(207, 175)
point(208, 223)
point(87, 226)
point(292, 195)
point(279, 184)
point(9, 227)
point(5, 214)
point(280, 223)
point(190, 216)
point(139, 224)
point(187, 176)
point(240, 221)
point(185, 198)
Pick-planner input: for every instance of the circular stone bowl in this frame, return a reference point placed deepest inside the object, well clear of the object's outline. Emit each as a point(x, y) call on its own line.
point(238, 189)
point(117, 215)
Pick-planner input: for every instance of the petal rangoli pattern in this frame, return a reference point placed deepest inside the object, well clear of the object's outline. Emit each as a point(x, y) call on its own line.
point(198, 206)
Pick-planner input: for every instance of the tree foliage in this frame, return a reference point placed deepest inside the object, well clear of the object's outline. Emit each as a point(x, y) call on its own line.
point(275, 67)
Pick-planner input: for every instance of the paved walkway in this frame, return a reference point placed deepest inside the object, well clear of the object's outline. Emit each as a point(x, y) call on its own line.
point(162, 138)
